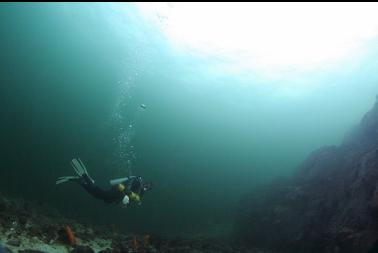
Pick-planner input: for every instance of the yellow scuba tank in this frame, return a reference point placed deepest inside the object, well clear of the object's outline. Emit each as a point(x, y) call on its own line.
point(121, 187)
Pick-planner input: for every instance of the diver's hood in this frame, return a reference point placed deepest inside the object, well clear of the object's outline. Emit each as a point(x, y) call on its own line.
point(118, 180)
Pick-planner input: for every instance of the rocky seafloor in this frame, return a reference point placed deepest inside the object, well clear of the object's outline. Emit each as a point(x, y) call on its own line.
point(28, 227)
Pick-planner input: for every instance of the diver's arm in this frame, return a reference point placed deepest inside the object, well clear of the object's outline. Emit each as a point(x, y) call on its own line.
point(131, 198)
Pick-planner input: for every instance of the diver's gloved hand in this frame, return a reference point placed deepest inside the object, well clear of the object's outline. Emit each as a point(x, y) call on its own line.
point(125, 201)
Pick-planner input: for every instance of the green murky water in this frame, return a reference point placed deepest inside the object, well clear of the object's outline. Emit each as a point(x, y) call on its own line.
point(73, 77)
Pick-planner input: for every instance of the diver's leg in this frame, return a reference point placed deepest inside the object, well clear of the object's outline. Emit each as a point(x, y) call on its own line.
point(95, 191)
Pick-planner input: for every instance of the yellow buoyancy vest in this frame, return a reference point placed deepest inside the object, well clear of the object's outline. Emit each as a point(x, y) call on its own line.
point(134, 197)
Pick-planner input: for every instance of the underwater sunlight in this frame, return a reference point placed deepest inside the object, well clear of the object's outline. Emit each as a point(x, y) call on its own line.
point(273, 39)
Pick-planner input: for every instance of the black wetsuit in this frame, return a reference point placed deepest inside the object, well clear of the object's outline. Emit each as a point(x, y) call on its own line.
point(112, 195)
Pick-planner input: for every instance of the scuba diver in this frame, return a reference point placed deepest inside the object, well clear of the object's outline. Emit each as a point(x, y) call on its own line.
point(123, 190)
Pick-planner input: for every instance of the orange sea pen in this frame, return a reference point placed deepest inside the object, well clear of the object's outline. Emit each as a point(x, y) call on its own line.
point(70, 236)
point(135, 243)
point(146, 240)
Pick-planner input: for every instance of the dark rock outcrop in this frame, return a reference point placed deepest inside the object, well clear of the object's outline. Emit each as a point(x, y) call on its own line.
point(330, 204)
point(82, 249)
point(31, 251)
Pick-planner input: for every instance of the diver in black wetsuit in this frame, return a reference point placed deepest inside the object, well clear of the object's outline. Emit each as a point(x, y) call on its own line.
point(123, 190)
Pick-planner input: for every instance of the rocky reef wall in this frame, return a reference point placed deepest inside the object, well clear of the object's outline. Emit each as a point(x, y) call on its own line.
point(329, 205)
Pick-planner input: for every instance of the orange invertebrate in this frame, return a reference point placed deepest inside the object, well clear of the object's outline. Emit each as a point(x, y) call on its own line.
point(70, 236)
point(146, 240)
point(135, 243)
